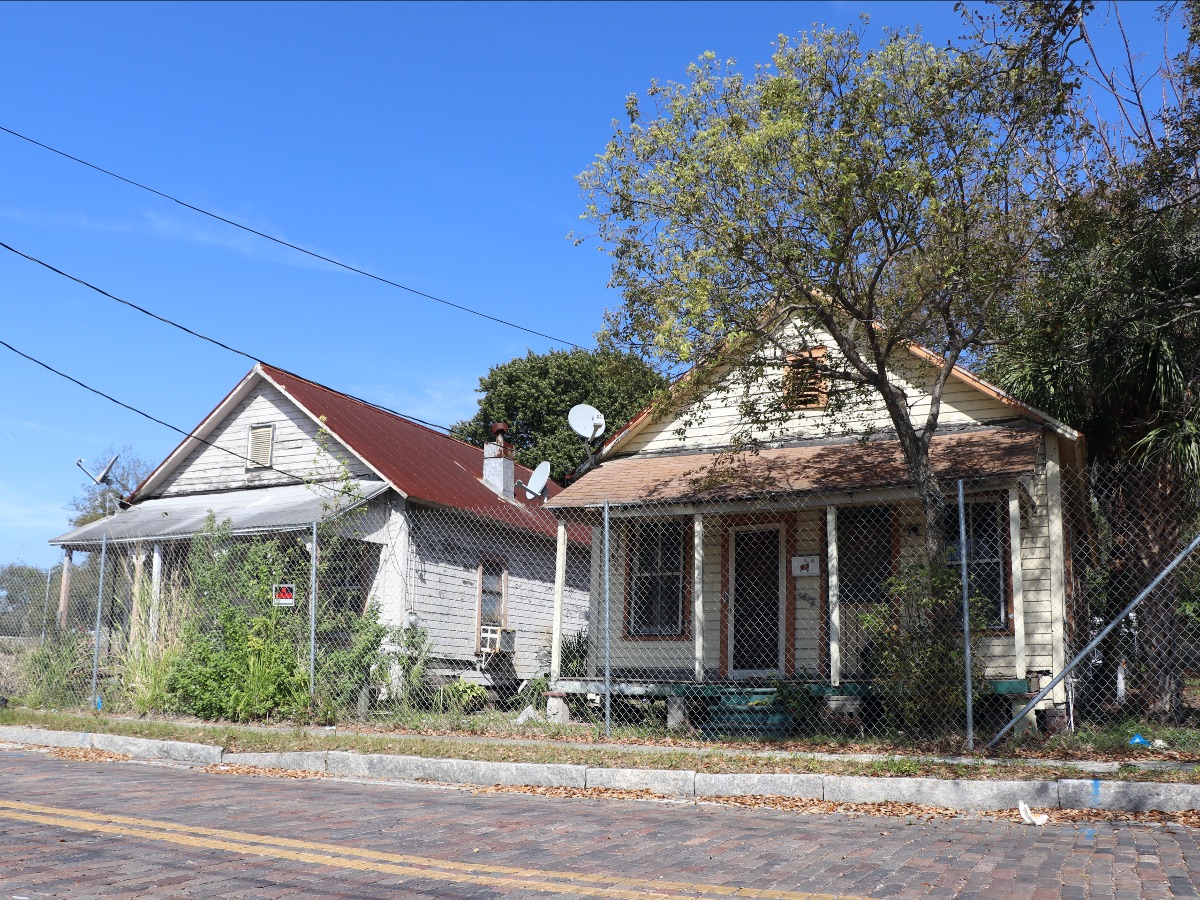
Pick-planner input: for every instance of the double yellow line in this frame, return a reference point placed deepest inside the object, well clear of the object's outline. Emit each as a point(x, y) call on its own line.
point(343, 857)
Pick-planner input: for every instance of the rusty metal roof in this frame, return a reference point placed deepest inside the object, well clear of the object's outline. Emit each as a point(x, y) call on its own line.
point(780, 472)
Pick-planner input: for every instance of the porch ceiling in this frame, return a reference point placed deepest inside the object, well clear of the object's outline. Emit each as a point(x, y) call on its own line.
point(833, 468)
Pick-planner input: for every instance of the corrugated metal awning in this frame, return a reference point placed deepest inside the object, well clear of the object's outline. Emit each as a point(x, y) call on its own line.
point(283, 508)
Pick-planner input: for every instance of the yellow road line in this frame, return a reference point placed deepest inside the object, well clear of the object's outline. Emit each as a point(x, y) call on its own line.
point(376, 861)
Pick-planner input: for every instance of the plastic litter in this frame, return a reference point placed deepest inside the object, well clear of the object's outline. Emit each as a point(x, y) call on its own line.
point(1138, 741)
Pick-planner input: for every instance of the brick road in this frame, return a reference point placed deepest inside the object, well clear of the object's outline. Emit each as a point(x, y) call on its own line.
point(83, 829)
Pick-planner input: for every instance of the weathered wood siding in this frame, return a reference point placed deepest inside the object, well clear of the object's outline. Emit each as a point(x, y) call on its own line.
point(446, 550)
point(962, 405)
point(212, 467)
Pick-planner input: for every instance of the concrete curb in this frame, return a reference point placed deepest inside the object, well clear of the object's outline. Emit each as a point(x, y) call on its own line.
point(963, 794)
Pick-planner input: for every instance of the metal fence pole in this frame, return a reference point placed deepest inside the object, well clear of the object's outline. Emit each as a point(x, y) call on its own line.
point(1095, 642)
point(46, 605)
point(99, 610)
point(607, 640)
point(966, 613)
point(312, 614)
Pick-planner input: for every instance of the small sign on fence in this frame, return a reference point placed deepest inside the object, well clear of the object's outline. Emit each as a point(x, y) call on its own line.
point(283, 594)
point(806, 566)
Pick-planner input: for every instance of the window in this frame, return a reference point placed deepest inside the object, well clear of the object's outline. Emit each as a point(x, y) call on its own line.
point(804, 386)
point(864, 547)
point(987, 554)
point(493, 584)
point(259, 445)
point(654, 605)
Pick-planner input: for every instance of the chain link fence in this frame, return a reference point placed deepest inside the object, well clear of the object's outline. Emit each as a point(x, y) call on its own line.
point(812, 618)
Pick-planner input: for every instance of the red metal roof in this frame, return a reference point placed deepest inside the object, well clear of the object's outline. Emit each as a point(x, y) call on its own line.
point(427, 466)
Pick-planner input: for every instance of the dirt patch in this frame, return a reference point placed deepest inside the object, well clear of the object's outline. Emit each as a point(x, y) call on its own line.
point(262, 771)
point(86, 754)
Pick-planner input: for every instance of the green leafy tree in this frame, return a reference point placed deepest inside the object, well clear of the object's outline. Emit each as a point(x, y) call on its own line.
point(534, 393)
point(879, 196)
point(95, 501)
point(1106, 336)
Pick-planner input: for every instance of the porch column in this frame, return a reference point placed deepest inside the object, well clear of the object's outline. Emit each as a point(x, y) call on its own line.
point(698, 594)
point(1058, 600)
point(137, 606)
point(64, 589)
point(1018, 591)
point(560, 582)
point(835, 616)
point(155, 591)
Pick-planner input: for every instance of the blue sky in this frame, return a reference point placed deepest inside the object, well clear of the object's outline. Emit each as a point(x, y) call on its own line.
point(435, 145)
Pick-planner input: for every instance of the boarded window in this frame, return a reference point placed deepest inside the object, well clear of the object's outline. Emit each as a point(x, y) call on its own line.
point(493, 576)
point(987, 554)
point(260, 446)
point(804, 384)
point(656, 575)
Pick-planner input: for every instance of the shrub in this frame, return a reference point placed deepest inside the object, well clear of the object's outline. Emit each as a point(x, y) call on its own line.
point(58, 673)
point(916, 640)
point(460, 696)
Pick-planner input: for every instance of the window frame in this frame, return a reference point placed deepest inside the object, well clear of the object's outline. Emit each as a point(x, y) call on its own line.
point(686, 565)
point(1004, 548)
point(251, 464)
point(809, 358)
point(502, 564)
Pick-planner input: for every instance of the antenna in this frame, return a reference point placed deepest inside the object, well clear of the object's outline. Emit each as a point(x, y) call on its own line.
point(537, 481)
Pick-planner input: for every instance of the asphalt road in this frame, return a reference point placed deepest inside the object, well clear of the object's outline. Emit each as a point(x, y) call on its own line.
point(103, 829)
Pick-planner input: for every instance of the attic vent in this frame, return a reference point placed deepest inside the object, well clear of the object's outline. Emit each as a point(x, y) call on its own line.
point(258, 450)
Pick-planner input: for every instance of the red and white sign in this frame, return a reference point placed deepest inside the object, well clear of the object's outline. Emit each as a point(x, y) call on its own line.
point(283, 594)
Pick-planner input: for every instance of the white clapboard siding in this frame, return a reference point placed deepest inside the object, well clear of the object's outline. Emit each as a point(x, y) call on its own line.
point(221, 464)
point(443, 586)
point(962, 404)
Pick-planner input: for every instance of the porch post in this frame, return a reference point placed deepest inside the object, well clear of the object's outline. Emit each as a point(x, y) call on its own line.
point(155, 590)
point(835, 616)
point(1018, 587)
point(698, 594)
point(560, 581)
point(1058, 612)
point(64, 589)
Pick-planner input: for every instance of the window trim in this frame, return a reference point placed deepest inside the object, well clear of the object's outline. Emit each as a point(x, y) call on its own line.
point(503, 564)
point(810, 357)
point(1000, 503)
point(687, 552)
point(250, 462)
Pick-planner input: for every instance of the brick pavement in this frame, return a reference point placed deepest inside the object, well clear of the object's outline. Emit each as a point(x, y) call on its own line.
point(635, 846)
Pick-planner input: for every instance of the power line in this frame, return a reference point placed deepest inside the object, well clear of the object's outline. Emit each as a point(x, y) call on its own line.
point(283, 243)
point(202, 337)
point(157, 421)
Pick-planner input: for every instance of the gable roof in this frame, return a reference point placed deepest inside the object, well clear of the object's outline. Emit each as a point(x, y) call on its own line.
point(421, 464)
point(639, 421)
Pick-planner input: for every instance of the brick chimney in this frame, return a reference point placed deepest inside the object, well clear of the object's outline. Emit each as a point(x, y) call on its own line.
point(498, 462)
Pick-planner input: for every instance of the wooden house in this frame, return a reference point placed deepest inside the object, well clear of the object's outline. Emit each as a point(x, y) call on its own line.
point(443, 539)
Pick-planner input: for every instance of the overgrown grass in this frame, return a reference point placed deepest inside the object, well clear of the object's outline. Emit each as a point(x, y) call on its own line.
point(712, 760)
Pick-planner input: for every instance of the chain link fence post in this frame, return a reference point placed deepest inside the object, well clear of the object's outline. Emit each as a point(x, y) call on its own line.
point(312, 615)
point(966, 613)
point(99, 613)
point(607, 633)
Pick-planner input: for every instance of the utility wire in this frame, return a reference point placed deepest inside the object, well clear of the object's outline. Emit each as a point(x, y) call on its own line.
point(283, 243)
point(146, 415)
point(203, 337)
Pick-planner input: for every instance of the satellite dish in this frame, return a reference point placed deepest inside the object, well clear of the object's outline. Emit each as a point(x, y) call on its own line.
point(104, 476)
point(537, 481)
point(586, 421)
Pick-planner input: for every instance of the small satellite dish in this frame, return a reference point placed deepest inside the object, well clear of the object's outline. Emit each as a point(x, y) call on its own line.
point(104, 476)
point(586, 421)
point(537, 481)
